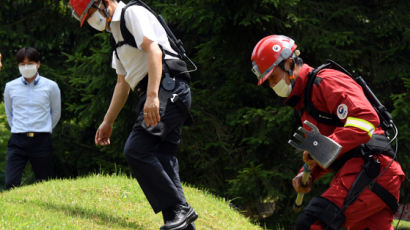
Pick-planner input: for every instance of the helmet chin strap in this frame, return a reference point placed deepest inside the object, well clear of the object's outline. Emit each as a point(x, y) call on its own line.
point(291, 77)
point(105, 10)
point(289, 71)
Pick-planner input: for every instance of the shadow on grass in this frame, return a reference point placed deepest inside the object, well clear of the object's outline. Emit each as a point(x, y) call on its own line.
point(100, 218)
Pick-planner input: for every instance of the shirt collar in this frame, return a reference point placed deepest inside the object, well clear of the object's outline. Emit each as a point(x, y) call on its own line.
point(117, 13)
point(298, 88)
point(23, 80)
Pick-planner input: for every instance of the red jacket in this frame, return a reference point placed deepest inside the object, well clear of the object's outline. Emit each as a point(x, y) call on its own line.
point(337, 93)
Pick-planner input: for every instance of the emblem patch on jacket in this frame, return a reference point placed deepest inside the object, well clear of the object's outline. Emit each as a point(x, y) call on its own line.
point(342, 111)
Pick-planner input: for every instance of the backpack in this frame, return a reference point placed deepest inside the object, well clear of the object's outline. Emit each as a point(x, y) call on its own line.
point(386, 120)
point(176, 44)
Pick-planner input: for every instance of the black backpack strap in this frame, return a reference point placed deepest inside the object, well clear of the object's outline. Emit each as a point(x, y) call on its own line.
point(322, 117)
point(386, 120)
point(114, 45)
point(126, 34)
point(170, 53)
point(175, 43)
point(370, 170)
point(385, 195)
point(334, 65)
point(129, 38)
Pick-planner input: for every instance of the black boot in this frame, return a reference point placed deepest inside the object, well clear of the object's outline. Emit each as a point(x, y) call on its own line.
point(179, 217)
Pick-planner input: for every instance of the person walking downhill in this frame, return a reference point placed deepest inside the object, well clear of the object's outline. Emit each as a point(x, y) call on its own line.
point(144, 61)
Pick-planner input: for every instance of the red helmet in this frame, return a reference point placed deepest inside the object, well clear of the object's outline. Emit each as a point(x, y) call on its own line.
point(80, 9)
point(268, 53)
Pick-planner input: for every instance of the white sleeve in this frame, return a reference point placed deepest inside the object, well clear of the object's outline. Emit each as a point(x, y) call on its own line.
point(116, 64)
point(140, 23)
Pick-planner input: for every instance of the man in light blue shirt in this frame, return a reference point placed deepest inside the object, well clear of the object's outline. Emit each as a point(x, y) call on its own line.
point(33, 109)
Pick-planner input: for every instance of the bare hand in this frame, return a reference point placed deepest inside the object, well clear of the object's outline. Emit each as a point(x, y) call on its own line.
point(298, 185)
point(103, 134)
point(151, 111)
point(309, 160)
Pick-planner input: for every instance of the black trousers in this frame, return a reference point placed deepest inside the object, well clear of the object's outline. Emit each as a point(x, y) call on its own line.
point(151, 152)
point(21, 149)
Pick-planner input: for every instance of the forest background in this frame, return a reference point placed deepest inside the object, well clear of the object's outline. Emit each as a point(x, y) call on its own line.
point(237, 147)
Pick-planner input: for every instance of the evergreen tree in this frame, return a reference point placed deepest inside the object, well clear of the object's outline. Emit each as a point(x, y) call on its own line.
point(237, 147)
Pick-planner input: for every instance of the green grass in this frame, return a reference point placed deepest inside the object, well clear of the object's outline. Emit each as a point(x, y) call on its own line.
point(104, 202)
point(402, 225)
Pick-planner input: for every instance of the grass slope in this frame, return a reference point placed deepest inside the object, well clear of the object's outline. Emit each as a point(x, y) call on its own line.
point(104, 202)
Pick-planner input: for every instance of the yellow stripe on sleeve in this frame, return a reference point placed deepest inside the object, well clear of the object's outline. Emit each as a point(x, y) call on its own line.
point(360, 124)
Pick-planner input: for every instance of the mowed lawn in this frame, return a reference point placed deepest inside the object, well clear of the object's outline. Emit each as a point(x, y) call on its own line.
point(104, 202)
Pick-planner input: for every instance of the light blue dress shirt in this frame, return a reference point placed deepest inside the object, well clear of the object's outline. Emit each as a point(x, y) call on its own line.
point(32, 107)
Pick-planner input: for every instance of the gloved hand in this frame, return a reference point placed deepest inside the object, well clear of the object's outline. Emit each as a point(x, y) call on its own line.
point(322, 149)
point(309, 161)
point(303, 181)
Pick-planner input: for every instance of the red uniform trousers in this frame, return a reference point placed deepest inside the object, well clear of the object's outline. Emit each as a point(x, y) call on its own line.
point(368, 211)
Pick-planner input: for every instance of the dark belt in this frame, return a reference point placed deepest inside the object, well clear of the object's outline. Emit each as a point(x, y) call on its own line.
point(337, 164)
point(32, 134)
point(378, 144)
point(176, 68)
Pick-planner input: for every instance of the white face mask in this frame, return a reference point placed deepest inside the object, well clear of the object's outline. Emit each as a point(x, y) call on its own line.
point(282, 89)
point(97, 21)
point(28, 71)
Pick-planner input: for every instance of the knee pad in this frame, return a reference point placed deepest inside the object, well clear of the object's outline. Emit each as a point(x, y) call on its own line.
point(305, 220)
point(320, 208)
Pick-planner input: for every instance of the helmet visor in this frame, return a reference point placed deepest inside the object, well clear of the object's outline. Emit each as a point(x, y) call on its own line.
point(255, 70)
point(263, 76)
point(75, 15)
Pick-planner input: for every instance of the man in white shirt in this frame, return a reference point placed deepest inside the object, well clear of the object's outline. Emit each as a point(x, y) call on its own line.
point(33, 109)
point(149, 63)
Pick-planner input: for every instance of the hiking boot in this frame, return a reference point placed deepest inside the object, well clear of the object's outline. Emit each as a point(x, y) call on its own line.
point(180, 217)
